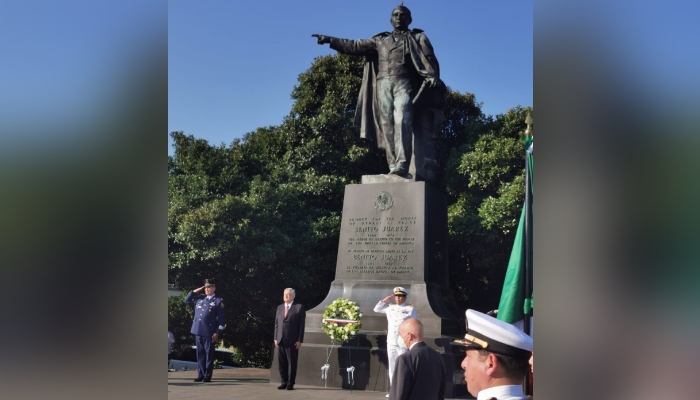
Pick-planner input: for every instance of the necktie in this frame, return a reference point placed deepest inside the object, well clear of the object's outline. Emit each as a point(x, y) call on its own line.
point(286, 309)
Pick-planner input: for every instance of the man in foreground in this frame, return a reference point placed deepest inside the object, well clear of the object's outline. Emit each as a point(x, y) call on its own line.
point(419, 373)
point(496, 359)
point(209, 321)
point(289, 333)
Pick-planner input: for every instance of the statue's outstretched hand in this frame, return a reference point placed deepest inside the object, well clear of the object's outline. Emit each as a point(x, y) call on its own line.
point(321, 39)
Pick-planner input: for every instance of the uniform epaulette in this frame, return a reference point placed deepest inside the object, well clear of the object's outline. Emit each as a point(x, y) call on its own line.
point(416, 30)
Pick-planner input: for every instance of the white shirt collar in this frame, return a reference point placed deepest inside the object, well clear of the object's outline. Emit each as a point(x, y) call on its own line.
point(290, 304)
point(502, 392)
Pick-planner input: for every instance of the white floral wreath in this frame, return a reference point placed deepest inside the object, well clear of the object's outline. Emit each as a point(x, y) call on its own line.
point(341, 320)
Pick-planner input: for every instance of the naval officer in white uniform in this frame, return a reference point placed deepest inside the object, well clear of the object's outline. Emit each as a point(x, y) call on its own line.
point(496, 358)
point(395, 314)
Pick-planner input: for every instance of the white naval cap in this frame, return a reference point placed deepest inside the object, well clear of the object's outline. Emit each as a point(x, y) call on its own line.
point(490, 334)
point(400, 290)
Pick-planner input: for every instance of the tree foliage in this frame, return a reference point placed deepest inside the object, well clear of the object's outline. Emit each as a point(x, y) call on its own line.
point(263, 213)
point(485, 180)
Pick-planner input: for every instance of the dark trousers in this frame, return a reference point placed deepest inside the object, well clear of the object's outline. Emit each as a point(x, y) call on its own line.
point(287, 358)
point(206, 350)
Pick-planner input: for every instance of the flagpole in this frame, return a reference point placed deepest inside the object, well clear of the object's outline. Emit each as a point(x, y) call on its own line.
point(528, 240)
point(528, 228)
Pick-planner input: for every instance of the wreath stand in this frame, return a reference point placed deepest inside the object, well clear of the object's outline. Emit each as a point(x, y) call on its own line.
point(350, 370)
point(325, 368)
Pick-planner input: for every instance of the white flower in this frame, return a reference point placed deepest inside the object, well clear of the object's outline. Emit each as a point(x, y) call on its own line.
point(360, 314)
point(352, 332)
point(334, 324)
point(333, 315)
point(357, 308)
point(345, 337)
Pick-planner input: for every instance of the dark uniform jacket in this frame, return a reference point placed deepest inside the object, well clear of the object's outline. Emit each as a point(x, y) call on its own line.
point(290, 329)
point(419, 374)
point(208, 315)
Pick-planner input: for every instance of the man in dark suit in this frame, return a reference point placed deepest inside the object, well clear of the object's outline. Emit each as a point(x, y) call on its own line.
point(209, 321)
point(419, 374)
point(289, 333)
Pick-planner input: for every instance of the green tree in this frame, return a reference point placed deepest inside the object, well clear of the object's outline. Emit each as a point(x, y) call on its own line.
point(179, 324)
point(485, 180)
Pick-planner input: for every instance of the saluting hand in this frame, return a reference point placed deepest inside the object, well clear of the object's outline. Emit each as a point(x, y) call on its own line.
point(387, 298)
point(198, 289)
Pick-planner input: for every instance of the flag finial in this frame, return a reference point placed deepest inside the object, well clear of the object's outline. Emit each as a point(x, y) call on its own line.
point(528, 121)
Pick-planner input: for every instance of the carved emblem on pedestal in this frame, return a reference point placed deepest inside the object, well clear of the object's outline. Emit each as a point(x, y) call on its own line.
point(384, 201)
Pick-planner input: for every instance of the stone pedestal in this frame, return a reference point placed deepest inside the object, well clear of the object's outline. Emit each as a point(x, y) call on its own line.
point(392, 234)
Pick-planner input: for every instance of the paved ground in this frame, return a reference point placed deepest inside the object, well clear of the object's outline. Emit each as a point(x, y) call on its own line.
point(252, 384)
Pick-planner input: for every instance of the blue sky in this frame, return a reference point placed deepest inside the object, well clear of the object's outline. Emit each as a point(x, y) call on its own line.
point(233, 64)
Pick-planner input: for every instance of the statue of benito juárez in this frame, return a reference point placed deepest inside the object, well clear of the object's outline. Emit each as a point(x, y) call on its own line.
point(402, 97)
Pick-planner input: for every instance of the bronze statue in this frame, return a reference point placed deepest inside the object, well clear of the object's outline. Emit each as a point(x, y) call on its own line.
point(401, 102)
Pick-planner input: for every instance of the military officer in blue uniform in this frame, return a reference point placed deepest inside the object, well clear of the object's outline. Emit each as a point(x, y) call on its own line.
point(209, 322)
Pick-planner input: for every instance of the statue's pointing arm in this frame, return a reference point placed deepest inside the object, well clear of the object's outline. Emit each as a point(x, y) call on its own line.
point(347, 46)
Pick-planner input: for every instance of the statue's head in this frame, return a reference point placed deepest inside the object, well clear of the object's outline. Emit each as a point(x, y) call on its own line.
point(401, 17)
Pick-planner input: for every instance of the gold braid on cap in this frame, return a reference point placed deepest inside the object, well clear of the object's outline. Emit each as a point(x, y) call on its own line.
point(478, 341)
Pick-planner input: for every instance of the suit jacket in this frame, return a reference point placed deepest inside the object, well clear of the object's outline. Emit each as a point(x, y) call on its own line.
point(290, 329)
point(209, 316)
point(419, 374)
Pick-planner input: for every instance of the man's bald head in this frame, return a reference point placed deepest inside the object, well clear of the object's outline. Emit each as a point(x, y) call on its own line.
point(412, 326)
